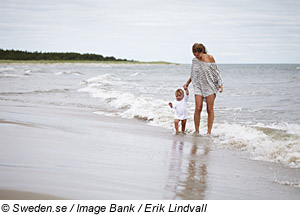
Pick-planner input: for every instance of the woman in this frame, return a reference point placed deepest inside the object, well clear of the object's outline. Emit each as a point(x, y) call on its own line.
point(207, 81)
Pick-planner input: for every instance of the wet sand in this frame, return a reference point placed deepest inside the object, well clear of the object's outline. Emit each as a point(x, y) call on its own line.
point(16, 195)
point(51, 152)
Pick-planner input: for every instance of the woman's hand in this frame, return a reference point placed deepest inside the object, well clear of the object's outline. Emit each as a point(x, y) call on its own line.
point(220, 88)
point(186, 86)
point(187, 83)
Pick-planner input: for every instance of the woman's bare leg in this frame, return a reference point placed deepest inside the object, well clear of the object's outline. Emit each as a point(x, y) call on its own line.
point(210, 112)
point(198, 109)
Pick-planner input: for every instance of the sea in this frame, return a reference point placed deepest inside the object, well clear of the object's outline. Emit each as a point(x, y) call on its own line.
point(258, 114)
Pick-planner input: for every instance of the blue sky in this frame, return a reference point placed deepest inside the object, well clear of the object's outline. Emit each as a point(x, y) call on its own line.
point(244, 31)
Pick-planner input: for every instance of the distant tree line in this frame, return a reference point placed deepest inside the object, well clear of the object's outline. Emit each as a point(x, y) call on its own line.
point(25, 55)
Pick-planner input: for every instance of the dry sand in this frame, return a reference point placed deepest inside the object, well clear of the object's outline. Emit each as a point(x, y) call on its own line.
point(50, 152)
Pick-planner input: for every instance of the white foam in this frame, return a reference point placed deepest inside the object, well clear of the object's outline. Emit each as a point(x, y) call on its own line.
point(68, 73)
point(295, 184)
point(9, 75)
point(134, 74)
point(102, 79)
point(7, 69)
point(261, 143)
point(132, 106)
point(289, 128)
point(267, 142)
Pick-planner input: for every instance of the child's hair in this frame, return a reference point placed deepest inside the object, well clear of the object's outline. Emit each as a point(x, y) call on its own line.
point(179, 92)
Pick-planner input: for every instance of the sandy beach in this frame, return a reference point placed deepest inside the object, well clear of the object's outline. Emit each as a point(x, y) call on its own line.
point(85, 88)
point(51, 152)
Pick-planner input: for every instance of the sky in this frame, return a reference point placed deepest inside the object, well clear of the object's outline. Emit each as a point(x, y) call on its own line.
point(233, 31)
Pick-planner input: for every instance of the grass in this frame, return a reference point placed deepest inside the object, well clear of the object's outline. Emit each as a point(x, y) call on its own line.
point(81, 61)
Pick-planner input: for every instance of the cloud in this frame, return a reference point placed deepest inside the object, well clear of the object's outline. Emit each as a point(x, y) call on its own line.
point(166, 29)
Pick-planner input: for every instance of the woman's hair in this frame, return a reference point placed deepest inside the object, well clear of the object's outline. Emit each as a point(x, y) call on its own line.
point(199, 48)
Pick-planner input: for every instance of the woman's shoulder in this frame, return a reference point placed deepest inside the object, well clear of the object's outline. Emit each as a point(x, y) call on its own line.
point(209, 58)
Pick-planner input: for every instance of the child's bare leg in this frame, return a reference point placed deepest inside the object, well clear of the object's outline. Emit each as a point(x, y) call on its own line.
point(183, 123)
point(176, 122)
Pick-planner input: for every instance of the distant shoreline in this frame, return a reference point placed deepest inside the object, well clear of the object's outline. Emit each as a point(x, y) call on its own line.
point(81, 61)
point(18, 56)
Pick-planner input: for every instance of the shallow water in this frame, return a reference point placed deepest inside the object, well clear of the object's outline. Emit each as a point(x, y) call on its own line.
point(258, 113)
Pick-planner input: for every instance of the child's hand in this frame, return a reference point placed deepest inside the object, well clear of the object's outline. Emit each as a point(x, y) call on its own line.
point(186, 86)
point(220, 88)
point(170, 104)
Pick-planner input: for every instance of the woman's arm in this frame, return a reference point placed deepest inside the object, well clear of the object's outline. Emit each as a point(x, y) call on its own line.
point(217, 74)
point(187, 83)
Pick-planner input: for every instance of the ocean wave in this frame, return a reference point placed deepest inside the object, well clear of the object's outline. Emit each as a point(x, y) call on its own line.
point(11, 72)
point(36, 92)
point(103, 78)
point(274, 143)
point(27, 72)
point(266, 142)
point(134, 74)
point(6, 69)
point(31, 71)
point(10, 75)
point(294, 183)
point(68, 73)
point(128, 104)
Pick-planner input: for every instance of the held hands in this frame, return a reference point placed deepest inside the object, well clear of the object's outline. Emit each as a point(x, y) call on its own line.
point(220, 88)
point(170, 104)
point(187, 83)
point(185, 86)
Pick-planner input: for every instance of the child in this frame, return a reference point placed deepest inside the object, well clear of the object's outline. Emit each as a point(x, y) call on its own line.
point(180, 109)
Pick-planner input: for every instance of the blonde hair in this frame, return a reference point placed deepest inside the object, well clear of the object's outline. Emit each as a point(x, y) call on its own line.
point(199, 48)
point(179, 92)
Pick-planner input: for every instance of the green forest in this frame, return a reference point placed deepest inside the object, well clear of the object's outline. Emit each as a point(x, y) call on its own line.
point(72, 56)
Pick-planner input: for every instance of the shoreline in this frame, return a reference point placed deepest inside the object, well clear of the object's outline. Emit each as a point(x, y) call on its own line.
point(81, 62)
point(2, 62)
point(71, 153)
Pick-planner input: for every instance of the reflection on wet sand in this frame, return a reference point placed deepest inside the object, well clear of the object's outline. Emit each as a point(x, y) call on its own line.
point(187, 172)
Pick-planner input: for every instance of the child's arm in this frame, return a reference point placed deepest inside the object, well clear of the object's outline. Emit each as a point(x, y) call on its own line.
point(170, 104)
point(187, 91)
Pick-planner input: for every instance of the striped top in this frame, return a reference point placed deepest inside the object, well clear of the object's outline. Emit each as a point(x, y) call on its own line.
point(205, 77)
